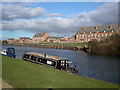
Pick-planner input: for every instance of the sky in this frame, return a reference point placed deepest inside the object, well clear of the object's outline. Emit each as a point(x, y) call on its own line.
point(24, 19)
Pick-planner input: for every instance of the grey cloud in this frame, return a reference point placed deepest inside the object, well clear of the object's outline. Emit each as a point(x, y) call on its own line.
point(12, 11)
point(106, 14)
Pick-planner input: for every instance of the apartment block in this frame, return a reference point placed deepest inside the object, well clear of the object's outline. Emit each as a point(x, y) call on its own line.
point(86, 34)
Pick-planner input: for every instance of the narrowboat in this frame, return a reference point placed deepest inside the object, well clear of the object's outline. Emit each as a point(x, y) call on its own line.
point(56, 62)
point(9, 52)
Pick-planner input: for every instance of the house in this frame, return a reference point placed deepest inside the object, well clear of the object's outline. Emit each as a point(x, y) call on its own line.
point(53, 39)
point(12, 41)
point(86, 34)
point(39, 37)
point(25, 40)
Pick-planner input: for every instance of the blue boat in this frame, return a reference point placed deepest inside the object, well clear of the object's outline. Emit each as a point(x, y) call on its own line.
point(9, 52)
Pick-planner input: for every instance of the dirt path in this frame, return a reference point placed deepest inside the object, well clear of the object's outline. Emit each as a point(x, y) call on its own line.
point(3, 84)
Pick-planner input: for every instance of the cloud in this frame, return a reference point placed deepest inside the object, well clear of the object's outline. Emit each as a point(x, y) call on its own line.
point(18, 10)
point(53, 24)
point(105, 14)
point(55, 14)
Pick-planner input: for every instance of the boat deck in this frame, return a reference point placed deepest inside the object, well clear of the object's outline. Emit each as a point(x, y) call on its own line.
point(43, 55)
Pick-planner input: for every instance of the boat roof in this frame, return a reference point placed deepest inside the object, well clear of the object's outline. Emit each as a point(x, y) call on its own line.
point(43, 55)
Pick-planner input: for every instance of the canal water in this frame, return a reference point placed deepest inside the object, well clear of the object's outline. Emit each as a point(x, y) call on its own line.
point(99, 67)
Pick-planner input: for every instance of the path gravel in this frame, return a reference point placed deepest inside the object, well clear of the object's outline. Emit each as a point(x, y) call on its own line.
point(3, 84)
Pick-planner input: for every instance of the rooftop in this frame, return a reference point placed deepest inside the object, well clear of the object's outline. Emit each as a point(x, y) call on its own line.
point(53, 37)
point(107, 28)
point(39, 34)
point(47, 56)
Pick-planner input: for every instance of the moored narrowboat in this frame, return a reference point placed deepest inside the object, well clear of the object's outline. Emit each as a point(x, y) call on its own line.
point(56, 62)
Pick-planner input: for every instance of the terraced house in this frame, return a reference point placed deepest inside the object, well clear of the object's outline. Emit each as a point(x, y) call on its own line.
point(25, 40)
point(53, 39)
point(40, 37)
point(86, 34)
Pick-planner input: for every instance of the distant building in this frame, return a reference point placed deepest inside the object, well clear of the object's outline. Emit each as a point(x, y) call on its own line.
point(53, 39)
point(25, 40)
point(13, 40)
point(71, 39)
point(39, 37)
point(86, 34)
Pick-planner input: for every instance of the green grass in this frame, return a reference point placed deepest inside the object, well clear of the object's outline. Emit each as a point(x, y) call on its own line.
point(23, 74)
point(66, 44)
point(57, 44)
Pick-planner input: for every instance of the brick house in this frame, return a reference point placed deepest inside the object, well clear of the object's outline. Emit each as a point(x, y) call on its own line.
point(53, 39)
point(39, 37)
point(13, 40)
point(71, 39)
point(86, 34)
point(25, 40)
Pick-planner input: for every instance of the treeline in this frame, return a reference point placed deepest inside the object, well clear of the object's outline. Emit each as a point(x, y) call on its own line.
point(108, 46)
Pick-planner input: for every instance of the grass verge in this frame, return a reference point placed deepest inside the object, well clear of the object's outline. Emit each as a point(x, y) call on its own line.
point(23, 74)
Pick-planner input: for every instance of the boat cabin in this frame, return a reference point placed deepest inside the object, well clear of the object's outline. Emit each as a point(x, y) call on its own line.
point(56, 62)
point(9, 52)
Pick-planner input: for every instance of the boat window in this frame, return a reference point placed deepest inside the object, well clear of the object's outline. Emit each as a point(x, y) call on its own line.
point(33, 57)
point(4, 51)
point(11, 51)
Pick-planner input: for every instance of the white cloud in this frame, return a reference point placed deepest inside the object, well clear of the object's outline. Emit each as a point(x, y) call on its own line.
point(55, 14)
point(106, 14)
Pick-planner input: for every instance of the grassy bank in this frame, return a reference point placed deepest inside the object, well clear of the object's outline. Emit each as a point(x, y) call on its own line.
point(23, 74)
point(66, 44)
point(54, 44)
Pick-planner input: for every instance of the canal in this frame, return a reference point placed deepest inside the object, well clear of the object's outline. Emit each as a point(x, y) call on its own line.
point(99, 67)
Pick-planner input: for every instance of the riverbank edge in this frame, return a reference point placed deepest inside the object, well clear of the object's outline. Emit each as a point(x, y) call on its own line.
point(83, 48)
point(64, 72)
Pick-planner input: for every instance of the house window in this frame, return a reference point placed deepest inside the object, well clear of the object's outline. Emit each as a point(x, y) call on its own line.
point(76, 35)
point(98, 35)
point(112, 30)
point(104, 31)
point(79, 35)
point(109, 27)
point(84, 32)
point(82, 36)
point(90, 32)
point(102, 35)
point(93, 36)
point(97, 31)
point(110, 35)
point(106, 35)
point(88, 35)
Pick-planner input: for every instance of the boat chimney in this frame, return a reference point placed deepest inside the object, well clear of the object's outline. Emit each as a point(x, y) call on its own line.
point(45, 54)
